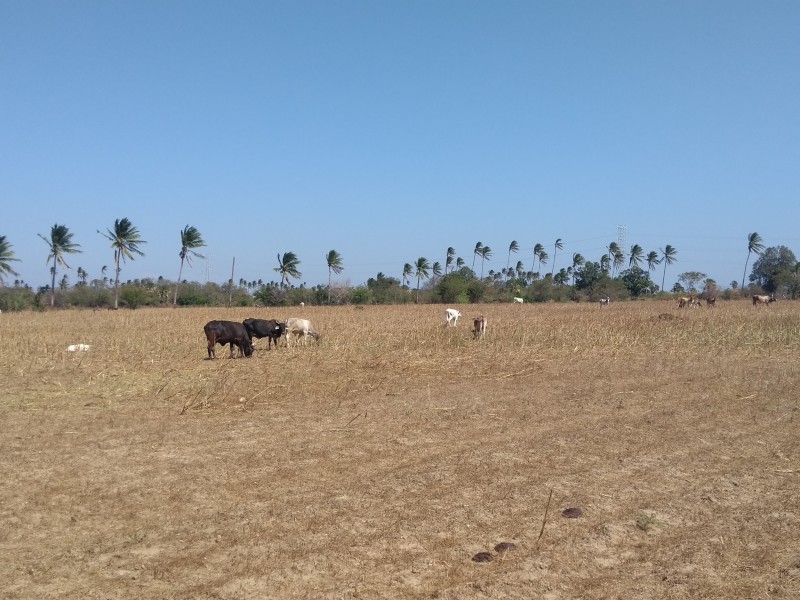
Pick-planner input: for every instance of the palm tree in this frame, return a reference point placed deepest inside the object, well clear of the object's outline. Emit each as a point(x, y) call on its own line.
point(485, 253)
point(287, 267)
point(558, 246)
point(577, 261)
point(476, 252)
point(460, 263)
point(125, 240)
point(422, 267)
point(60, 243)
point(512, 247)
point(637, 255)
point(605, 263)
point(520, 269)
point(668, 255)
point(407, 271)
point(436, 269)
point(613, 252)
point(754, 244)
point(537, 251)
point(619, 259)
point(6, 257)
point(543, 256)
point(451, 254)
point(190, 241)
point(652, 260)
point(335, 265)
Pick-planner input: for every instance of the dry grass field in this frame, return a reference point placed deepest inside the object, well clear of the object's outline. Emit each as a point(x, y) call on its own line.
point(377, 463)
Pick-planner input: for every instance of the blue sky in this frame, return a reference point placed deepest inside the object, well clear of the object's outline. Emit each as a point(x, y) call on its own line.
point(392, 130)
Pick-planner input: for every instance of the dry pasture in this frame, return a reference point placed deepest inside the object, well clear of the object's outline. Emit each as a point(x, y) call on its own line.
point(377, 463)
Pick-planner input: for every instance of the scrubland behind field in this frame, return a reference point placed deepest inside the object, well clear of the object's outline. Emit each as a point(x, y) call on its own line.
point(376, 463)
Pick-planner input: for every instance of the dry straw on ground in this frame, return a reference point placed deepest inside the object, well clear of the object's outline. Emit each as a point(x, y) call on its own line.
point(377, 463)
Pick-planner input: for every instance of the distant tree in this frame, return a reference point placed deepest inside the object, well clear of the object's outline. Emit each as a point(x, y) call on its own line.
point(537, 252)
point(637, 281)
point(59, 243)
point(775, 267)
point(543, 258)
point(476, 253)
point(408, 270)
point(520, 270)
point(422, 268)
point(577, 261)
point(451, 254)
point(512, 247)
point(287, 267)
point(335, 265)
point(652, 260)
point(6, 257)
point(190, 241)
point(557, 246)
point(125, 240)
point(668, 255)
point(691, 279)
point(754, 245)
point(485, 253)
point(460, 263)
point(436, 269)
point(637, 256)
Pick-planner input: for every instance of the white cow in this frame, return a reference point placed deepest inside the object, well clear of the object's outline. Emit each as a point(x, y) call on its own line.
point(605, 301)
point(518, 300)
point(479, 327)
point(451, 317)
point(300, 328)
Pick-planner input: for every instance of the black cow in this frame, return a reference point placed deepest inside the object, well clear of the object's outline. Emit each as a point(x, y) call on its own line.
point(259, 328)
point(228, 332)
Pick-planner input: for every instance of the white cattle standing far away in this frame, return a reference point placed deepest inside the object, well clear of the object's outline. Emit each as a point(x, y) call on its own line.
point(300, 328)
point(78, 347)
point(605, 301)
point(518, 300)
point(451, 317)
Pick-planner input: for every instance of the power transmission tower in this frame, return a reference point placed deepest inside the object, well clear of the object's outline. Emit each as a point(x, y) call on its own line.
point(621, 230)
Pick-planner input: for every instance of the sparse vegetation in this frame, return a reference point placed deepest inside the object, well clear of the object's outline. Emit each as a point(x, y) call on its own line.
point(380, 461)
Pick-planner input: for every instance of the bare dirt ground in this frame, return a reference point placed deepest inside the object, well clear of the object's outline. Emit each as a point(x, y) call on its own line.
point(377, 463)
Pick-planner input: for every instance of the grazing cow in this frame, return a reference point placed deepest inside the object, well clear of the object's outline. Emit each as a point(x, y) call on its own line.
point(451, 317)
point(605, 301)
point(298, 328)
point(711, 301)
point(479, 327)
point(228, 332)
point(759, 300)
point(518, 300)
point(683, 302)
point(259, 328)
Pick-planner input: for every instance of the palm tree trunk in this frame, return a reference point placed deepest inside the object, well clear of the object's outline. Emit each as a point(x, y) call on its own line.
point(329, 285)
point(53, 287)
point(177, 285)
point(664, 276)
point(745, 268)
point(116, 282)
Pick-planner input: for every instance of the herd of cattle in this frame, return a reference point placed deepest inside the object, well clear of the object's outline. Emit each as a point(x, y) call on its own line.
point(694, 302)
point(241, 334)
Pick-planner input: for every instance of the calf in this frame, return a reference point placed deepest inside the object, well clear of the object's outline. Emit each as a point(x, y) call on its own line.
point(759, 300)
point(298, 328)
point(451, 317)
point(228, 332)
point(479, 327)
point(259, 328)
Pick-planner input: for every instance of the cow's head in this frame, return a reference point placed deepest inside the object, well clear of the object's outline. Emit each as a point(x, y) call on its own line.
point(247, 347)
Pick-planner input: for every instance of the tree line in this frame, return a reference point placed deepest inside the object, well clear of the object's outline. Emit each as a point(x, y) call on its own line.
point(615, 274)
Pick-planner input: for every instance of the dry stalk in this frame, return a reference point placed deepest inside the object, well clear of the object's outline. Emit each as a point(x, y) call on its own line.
point(544, 520)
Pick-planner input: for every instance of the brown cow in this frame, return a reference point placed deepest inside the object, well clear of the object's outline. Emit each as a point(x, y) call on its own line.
point(228, 332)
point(711, 301)
point(683, 302)
point(479, 329)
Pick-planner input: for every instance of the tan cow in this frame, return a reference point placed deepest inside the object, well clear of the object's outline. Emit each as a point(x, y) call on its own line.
point(479, 327)
point(683, 302)
point(759, 300)
point(300, 328)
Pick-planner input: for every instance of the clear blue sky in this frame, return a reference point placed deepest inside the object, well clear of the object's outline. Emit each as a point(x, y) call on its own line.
point(392, 130)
